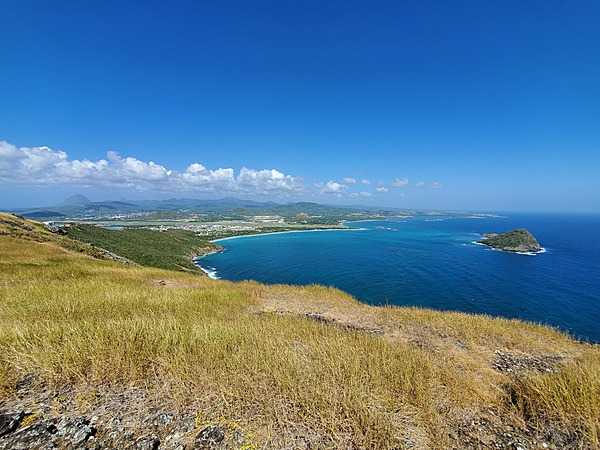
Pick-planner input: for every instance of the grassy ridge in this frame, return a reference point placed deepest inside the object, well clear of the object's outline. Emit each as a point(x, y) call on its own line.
point(62, 316)
point(17, 227)
point(171, 249)
point(219, 347)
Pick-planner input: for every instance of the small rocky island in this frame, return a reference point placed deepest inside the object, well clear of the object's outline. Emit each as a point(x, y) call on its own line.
point(520, 241)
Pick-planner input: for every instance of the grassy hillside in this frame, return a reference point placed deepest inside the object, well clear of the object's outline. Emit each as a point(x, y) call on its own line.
point(28, 230)
point(172, 249)
point(275, 366)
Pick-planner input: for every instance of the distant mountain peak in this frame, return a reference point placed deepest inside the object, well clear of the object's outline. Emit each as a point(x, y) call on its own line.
point(77, 200)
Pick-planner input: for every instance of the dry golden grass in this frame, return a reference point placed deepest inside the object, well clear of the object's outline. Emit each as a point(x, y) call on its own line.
point(244, 351)
point(570, 398)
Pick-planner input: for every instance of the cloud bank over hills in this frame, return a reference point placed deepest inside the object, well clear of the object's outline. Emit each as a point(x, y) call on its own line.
point(43, 165)
point(46, 166)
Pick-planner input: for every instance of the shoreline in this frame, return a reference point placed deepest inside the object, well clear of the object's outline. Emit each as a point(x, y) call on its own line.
point(539, 252)
point(212, 273)
point(382, 219)
point(285, 232)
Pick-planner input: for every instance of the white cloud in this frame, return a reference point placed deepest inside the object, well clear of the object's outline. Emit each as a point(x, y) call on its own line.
point(198, 176)
point(400, 182)
point(42, 165)
point(360, 194)
point(268, 181)
point(333, 187)
point(130, 169)
point(45, 166)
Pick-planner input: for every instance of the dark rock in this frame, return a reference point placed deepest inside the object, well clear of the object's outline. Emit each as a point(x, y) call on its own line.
point(209, 437)
point(25, 383)
point(343, 325)
point(147, 443)
point(163, 419)
point(10, 422)
point(318, 318)
point(76, 430)
point(40, 435)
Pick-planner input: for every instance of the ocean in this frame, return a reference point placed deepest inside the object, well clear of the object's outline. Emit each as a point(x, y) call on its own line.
point(432, 262)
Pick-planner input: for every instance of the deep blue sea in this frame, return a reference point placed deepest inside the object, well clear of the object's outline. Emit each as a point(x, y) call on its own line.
point(432, 262)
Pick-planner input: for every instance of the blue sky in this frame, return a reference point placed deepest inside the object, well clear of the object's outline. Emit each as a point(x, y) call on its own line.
point(454, 105)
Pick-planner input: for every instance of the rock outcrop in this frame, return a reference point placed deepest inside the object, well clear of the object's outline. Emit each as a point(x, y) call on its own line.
point(520, 241)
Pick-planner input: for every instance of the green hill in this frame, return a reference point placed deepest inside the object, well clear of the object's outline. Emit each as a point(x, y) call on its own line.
point(520, 240)
point(99, 354)
point(170, 249)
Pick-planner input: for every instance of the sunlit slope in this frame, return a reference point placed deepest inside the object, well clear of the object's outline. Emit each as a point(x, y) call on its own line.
point(170, 249)
point(286, 365)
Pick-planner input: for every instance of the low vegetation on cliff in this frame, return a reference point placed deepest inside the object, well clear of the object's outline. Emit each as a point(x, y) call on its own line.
point(170, 249)
point(127, 355)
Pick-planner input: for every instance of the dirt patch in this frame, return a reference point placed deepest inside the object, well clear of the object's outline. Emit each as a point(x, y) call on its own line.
point(345, 325)
point(491, 430)
point(349, 317)
point(172, 284)
point(514, 362)
point(354, 316)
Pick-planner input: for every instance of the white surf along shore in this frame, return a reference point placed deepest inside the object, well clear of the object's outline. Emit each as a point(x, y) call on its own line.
point(286, 232)
point(543, 250)
point(211, 272)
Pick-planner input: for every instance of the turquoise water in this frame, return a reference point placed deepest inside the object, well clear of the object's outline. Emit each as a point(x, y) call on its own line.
point(433, 263)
